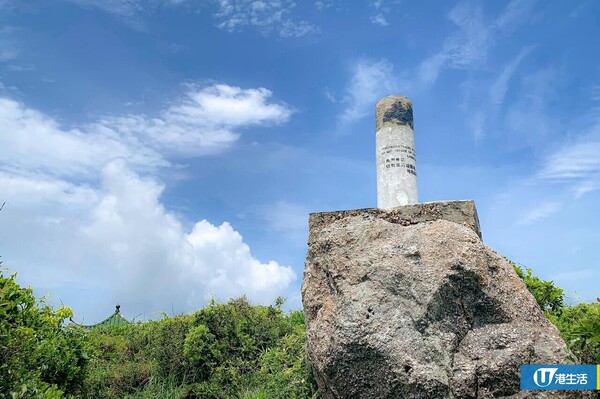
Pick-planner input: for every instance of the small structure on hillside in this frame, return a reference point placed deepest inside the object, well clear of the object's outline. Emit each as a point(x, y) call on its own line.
point(114, 320)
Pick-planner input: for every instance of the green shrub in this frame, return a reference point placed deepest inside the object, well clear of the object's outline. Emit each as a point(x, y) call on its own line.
point(285, 372)
point(168, 346)
point(547, 295)
point(223, 351)
point(579, 325)
point(39, 357)
point(201, 351)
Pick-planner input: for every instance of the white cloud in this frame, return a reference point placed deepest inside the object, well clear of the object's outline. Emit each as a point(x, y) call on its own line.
point(477, 124)
point(576, 161)
point(84, 209)
point(20, 68)
point(322, 4)
point(379, 19)
point(516, 13)
point(130, 12)
point(528, 121)
point(35, 142)
point(500, 85)
point(265, 16)
point(122, 8)
point(118, 241)
point(287, 217)
point(468, 47)
point(8, 48)
point(153, 257)
point(231, 15)
point(370, 80)
point(587, 186)
point(470, 44)
point(541, 211)
point(228, 268)
point(228, 106)
point(382, 9)
point(204, 121)
point(28, 189)
point(483, 115)
point(329, 95)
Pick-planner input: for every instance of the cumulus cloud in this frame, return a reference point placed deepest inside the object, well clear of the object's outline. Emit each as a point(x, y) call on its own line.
point(119, 241)
point(36, 142)
point(265, 16)
point(156, 260)
point(84, 215)
point(204, 121)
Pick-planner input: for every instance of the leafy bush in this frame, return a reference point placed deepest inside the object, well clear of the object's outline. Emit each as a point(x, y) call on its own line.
point(579, 325)
point(201, 351)
point(223, 351)
point(285, 372)
point(39, 357)
point(547, 295)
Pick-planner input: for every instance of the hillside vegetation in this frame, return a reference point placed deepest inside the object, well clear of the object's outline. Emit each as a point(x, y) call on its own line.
point(232, 350)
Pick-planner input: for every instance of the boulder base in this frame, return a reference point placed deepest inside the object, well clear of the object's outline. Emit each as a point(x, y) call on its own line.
point(418, 310)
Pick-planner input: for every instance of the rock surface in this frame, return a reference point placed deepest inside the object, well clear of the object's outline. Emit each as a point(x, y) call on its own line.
point(418, 310)
point(461, 212)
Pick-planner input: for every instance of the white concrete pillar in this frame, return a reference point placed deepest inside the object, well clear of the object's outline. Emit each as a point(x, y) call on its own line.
point(395, 158)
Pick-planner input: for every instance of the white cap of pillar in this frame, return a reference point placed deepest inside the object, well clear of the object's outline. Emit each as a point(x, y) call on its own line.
point(395, 157)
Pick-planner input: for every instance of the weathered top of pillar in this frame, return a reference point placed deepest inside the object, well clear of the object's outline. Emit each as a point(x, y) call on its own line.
point(393, 111)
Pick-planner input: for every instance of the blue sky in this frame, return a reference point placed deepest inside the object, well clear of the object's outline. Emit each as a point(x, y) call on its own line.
point(159, 153)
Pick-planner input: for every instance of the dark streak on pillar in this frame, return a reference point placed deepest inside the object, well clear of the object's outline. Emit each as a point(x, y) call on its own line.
point(399, 114)
point(393, 111)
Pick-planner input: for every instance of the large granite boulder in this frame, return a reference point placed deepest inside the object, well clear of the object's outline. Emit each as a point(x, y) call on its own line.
point(409, 303)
